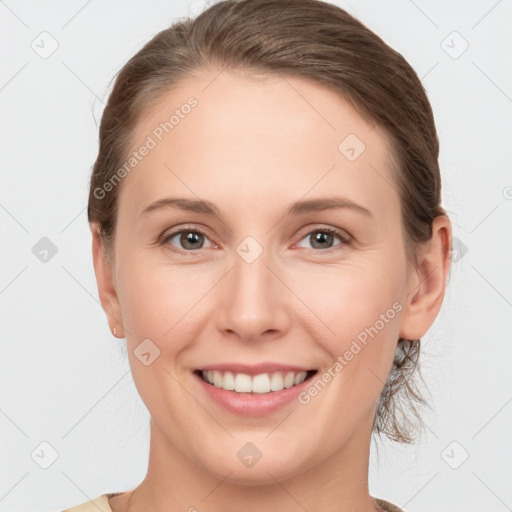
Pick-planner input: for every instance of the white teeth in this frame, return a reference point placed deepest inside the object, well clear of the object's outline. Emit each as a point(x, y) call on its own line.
point(228, 381)
point(217, 379)
point(289, 380)
point(276, 382)
point(262, 383)
point(243, 383)
point(300, 377)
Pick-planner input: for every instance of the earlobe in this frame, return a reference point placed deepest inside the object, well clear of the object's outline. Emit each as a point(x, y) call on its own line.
point(106, 284)
point(427, 283)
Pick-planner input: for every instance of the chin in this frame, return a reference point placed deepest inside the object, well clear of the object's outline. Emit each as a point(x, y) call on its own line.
point(263, 472)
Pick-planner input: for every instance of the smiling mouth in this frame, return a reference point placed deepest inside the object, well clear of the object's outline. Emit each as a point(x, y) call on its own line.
point(257, 384)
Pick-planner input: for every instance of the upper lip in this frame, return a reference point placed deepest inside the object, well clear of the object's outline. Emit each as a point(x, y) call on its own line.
point(255, 369)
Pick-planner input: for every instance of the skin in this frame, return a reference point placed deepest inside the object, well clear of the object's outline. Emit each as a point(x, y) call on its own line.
point(252, 147)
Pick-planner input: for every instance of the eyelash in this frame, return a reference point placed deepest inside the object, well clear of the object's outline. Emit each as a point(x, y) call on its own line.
point(345, 239)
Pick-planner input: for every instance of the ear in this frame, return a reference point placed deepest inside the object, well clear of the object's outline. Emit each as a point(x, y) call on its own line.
point(106, 283)
point(427, 283)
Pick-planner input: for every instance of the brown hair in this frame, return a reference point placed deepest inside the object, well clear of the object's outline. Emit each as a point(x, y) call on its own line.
point(314, 40)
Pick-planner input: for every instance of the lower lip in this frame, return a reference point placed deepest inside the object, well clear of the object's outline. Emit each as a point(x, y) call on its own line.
point(252, 404)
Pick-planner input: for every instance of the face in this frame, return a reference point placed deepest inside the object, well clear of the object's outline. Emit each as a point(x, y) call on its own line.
point(275, 280)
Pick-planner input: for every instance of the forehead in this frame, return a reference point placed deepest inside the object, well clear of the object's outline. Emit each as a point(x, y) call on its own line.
point(257, 137)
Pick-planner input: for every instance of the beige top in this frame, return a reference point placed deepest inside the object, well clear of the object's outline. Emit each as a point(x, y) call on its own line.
point(101, 504)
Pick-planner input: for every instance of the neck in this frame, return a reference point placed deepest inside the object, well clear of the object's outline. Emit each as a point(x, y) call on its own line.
point(337, 484)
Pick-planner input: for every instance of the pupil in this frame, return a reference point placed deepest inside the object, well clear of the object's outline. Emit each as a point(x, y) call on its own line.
point(320, 237)
point(189, 239)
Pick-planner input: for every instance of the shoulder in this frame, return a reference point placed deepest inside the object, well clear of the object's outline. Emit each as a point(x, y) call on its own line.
point(99, 504)
point(387, 506)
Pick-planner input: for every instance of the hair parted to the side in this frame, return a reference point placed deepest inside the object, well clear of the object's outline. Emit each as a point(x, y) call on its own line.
point(314, 40)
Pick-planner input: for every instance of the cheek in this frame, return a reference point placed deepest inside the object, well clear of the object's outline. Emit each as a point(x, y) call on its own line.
point(350, 298)
point(143, 296)
point(357, 322)
point(163, 303)
point(361, 310)
point(157, 305)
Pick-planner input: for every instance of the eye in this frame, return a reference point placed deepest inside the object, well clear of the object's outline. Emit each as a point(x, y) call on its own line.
point(192, 239)
point(322, 238)
point(189, 239)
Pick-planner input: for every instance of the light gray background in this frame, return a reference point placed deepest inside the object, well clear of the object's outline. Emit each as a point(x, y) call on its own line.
point(66, 381)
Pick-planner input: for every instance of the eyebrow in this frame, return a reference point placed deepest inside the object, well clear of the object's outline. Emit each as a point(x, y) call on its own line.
point(298, 208)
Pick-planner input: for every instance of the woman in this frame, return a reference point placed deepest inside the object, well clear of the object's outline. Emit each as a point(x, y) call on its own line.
point(298, 152)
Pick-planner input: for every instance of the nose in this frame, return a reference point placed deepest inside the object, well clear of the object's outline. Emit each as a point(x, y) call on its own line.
point(253, 303)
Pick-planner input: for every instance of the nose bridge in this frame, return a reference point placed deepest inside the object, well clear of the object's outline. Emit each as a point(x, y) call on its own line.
point(254, 298)
point(252, 278)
